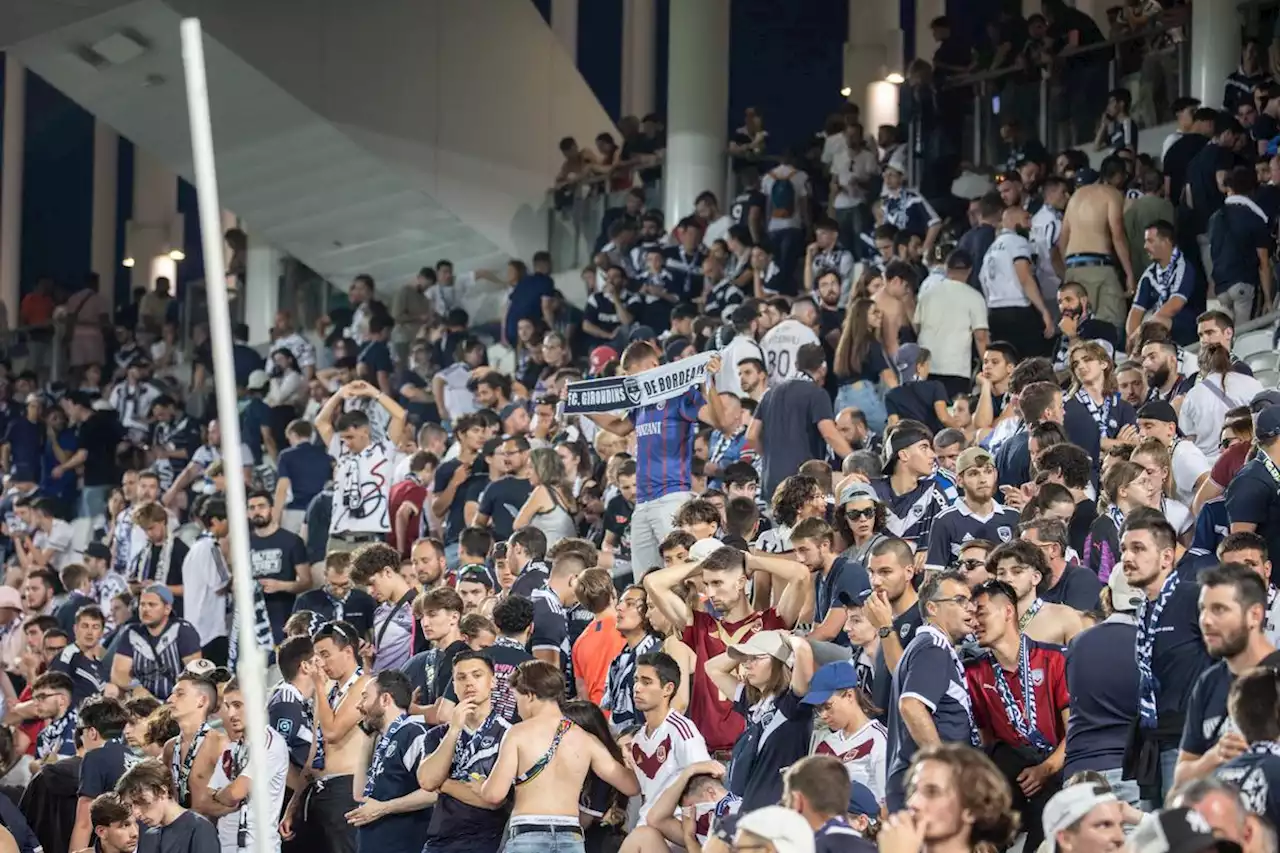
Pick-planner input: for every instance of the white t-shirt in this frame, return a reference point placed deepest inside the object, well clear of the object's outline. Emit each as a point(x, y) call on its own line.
point(457, 399)
point(1204, 409)
point(1178, 515)
point(716, 230)
point(1046, 227)
point(274, 775)
point(780, 346)
point(800, 181)
point(204, 603)
point(1189, 464)
point(59, 540)
point(863, 753)
point(362, 487)
point(947, 316)
point(741, 347)
point(999, 277)
point(660, 757)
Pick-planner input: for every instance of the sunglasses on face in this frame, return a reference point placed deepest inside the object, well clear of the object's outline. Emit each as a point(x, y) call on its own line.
point(869, 512)
point(969, 565)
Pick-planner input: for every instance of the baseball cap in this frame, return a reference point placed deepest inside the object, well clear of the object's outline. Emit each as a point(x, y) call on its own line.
point(1125, 598)
point(1011, 175)
point(1268, 424)
point(897, 161)
point(1178, 831)
point(857, 491)
point(704, 548)
point(900, 440)
point(10, 597)
point(642, 333)
point(905, 361)
point(973, 457)
point(771, 643)
point(161, 591)
point(675, 348)
point(1070, 805)
point(862, 800)
point(829, 680)
point(258, 380)
point(510, 409)
point(98, 551)
point(1086, 176)
point(1158, 410)
point(784, 828)
point(1264, 399)
point(600, 356)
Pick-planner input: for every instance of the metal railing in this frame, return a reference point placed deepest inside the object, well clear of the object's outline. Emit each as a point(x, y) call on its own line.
point(1041, 97)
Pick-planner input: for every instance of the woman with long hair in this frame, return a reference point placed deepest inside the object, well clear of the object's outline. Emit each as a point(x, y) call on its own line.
point(1125, 487)
point(576, 459)
point(1094, 392)
point(862, 366)
point(528, 343)
point(287, 387)
point(860, 520)
point(767, 677)
point(797, 497)
point(602, 810)
point(551, 505)
point(1153, 457)
point(1205, 406)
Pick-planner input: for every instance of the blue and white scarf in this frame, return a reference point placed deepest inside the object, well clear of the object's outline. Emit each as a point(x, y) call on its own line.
point(335, 697)
point(1023, 723)
point(938, 638)
point(1144, 651)
point(1101, 416)
point(1165, 280)
point(380, 753)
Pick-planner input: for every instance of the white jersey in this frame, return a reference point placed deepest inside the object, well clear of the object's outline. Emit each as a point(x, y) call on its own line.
point(362, 487)
point(1046, 227)
point(781, 344)
point(662, 756)
point(999, 276)
point(863, 753)
point(237, 831)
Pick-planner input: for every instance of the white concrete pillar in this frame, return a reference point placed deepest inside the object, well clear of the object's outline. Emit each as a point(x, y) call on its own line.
point(11, 164)
point(872, 46)
point(639, 52)
point(1215, 49)
point(102, 253)
point(697, 103)
point(263, 268)
point(155, 203)
point(880, 107)
point(564, 23)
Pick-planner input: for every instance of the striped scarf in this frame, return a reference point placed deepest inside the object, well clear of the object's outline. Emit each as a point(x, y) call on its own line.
point(261, 627)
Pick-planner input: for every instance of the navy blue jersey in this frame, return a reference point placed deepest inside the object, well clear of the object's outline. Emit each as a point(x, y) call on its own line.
point(290, 714)
point(911, 514)
point(1103, 684)
point(87, 674)
point(356, 607)
point(957, 524)
point(1206, 712)
point(551, 632)
point(777, 736)
point(881, 688)
point(1257, 774)
point(102, 768)
point(57, 738)
point(618, 698)
point(929, 673)
point(1178, 659)
point(456, 826)
point(395, 776)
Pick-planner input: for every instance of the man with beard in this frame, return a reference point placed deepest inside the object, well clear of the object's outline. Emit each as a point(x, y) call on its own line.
point(278, 559)
point(462, 756)
point(1022, 566)
point(1160, 364)
point(1233, 610)
point(838, 582)
point(1250, 550)
point(427, 555)
point(975, 516)
point(1019, 693)
point(154, 651)
point(338, 600)
point(115, 830)
point(830, 314)
point(1132, 381)
point(499, 499)
point(234, 776)
point(929, 704)
point(1078, 323)
point(1084, 818)
point(1170, 651)
point(391, 816)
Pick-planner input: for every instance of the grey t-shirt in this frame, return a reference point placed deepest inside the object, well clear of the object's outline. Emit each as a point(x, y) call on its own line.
point(789, 414)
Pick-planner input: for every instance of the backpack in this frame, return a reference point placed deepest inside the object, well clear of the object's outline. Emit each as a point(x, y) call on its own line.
point(782, 196)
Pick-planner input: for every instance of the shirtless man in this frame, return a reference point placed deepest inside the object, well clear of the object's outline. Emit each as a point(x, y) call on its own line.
point(1093, 243)
point(326, 801)
point(192, 702)
point(546, 759)
point(1022, 565)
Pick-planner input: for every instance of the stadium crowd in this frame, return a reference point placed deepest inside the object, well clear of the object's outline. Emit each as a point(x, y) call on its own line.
point(826, 523)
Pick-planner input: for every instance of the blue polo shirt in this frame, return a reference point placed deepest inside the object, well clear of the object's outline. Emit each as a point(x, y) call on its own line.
point(396, 777)
point(455, 826)
point(1236, 233)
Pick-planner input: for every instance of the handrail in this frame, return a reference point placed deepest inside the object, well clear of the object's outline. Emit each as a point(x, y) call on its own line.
point(614, 171)
point(1108, 44)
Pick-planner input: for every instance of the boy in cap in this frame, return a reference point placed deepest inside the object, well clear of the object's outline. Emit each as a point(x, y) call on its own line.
point(913, 496)
point(1084, 818)
point(976, 515)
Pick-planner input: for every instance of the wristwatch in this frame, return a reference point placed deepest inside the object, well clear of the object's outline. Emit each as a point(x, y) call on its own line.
point(885, 631)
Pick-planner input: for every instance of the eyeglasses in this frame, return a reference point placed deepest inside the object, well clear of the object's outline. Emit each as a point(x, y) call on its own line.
point(969, 565)
point(962, 600)
point(869, 512)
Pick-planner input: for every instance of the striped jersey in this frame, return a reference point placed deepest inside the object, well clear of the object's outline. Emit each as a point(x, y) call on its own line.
point(911, 514)
point(958, 524)
point(664, 445)
point(907, 210)
point(157, 659)
point(662, 755)
point(618, 699)
point(864, 753)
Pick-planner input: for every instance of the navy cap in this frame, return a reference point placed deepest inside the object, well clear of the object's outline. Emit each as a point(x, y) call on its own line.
point(1086, 176)
point(642, 333)
point(510, 409)
point(830, 679)
point(1268, 425)
point(862, 801)
point(1264, 399)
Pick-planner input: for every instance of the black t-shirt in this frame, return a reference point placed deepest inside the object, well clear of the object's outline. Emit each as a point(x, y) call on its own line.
point(617, 520)
point(506, 655)
point(790, 413)
point(915, 401)
point(356, 608)
point(442, 683)
point(454, 523)
point(1081, 521)
point(102, 768)
point(1179, 158)
point(1078, 588)
point(101, 430)
point(829, 321)
point(1178, 658)
point(277, 557)
point(1202, 181)
point(500, 500)
point(190, 833)
point(1253, 497)
point(773, 740)
point(1207, 719)
point(1236, 233)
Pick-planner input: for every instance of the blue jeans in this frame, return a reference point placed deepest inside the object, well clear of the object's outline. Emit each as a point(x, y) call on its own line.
point(1124, 789)
point(552, 839)
point(865, 397)
point(93, 501)
point(1168, 761)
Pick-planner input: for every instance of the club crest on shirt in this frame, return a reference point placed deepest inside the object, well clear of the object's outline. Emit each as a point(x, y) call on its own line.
point(1005, 533)
point(757, 626)
point(1037, 677)
point(284, 726)
point(631, 387)
point(391, 749)
point(486, 742)
point(661, 754)
point(904, 631)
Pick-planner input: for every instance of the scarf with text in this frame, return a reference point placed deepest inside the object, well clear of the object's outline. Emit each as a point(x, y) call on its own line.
point(624, 393)
point(1144, 651)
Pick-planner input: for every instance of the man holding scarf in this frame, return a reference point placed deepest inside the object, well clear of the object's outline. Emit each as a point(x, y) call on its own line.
point(665, 429)
point(160, 559)
point(1020, 703)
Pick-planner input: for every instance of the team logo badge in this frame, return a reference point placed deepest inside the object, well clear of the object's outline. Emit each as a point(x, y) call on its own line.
point(284, 726)
point(1005, 533)
point(904, 631)
point(757, 625)
point(391, 749)
point(661, 754)
point(631, 387)
point(1037, 677)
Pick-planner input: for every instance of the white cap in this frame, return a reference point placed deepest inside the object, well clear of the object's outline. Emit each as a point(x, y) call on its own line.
point(258, 380)
point(1070, 805)
point(784, 828)
point(1124, 597)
